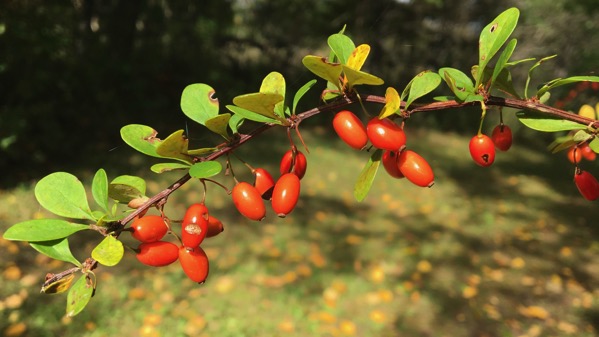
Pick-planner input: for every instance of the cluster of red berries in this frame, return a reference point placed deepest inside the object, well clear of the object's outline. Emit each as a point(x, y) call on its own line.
point(386, 135)
point(283, 194)
point(482, 147)
point(197, 225)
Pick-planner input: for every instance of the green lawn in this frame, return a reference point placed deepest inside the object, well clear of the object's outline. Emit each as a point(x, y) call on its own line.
point(509, 250)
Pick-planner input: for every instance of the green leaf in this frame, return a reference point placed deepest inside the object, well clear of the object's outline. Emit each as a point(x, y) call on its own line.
point(542, 122)
point(594, 145)
point(165, 167)
point(300, 93)
point(205, 169)
point(202, 151)
point(561, 143)
point(235, 123)
point(366, 177)
point(79, 295)
point(175, 146)
point(392, 103)
point(534, 66)
point(126, 188)
point(503, 59)
point(109, 252)
point(100, 189)
point(330, 72)
point(142, 138)
point(63, 194)
point(494, 35)
point(274, 83)
point(504, 83)
point(57, 249)
point(355, 77)
point(198, 102)
point(218, 124)
point(42, 230)
point(342, 46)
point(247, 114)
point(581, 136)
point(260, 103)
point(564, 81)
point(459, 83)
point(422, 84)
point(513, 63)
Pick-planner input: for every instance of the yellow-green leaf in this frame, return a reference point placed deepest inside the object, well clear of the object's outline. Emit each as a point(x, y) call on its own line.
point(274, 83)
point(259, 102)
point(79, 295)
point(175, 146)
point(109, 252)
point(587, 111)
point(366, 177)
point(322, 68)
point(358, 57)
point(392, 103)
point(219, 124)
point(198, 102)
point(355, 77)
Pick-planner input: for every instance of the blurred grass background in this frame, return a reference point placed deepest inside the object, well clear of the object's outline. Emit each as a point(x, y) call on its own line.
point(509, 250)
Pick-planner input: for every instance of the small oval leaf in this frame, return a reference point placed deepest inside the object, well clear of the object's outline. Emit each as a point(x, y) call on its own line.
point(109, 252)
point(247, 114)
point(342, 46)
point(541, 122)
point(42, 230)
point(56, 249)
point(300, 93)
point(358, 56)
point(366, 177)
point(218, 125)
point(141, 138)
point(274, 83)
point(126, 188)
point(79, 295)
point(259, 102)
point(63, 194)
point(205, 169)
point(422, 84)
point(355, 77)
point(198, 102)
point(100, 189)
point(392, 103)
point(165, 167)
point(330, 72)
point(175, 147)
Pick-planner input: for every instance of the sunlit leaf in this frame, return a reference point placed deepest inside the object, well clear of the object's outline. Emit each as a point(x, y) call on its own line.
point(247, 114)
point(109, 251)
point(142, 138)
point(494, 35)
point(126, 188)
point(57, 249)
point(392, 103)
point(366, 177)
point(421, 85)
point(322, 68)
point(198, 102)
point(564, 81)
point(594, 145)
point(219, 124)
point(79, 295)
point(100, 189)
point(63, 194)
point(235, 123)
point(274, 83)
point(503, 59)
point(259, 102)
point(358, 57)
point(587, 111)
point(42, 230)
point(542, 122)
point(166, 167)
point(355, 77)
point(175, 146)
point(342, 46)
point(300, 93)
point(205, 169)
point(59, 285)
point(459, 83)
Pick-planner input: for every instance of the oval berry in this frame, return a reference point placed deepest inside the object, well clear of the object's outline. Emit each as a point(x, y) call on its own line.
point(157, 254)
point(587, 152)
point(390, 163)
point(194, 263)
point(248, 201)
point(502, 137)
point(298, 165)
point(264, 183)
point(587, 185)
point(149, 228)
point(574, 155)
point(194, 225)
point(482, 150)
point(350, 129)
point(285, 194)
point(415, 168)
point(385, 134)
point(215, 227)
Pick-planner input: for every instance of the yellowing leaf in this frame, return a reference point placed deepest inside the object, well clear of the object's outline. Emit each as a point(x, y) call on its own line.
point(259, 102)
point(356, 77)
point(274, 83)
point(587, 111)
point(57, 285)
point(358, 57)
point(218, 124)
point(534, 311)
point(323, 69)
point(175, 146)
point(392, 103)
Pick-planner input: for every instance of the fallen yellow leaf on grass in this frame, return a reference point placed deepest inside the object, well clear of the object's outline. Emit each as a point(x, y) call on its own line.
point(534, 311)
point(424, 266)
point(469, 292)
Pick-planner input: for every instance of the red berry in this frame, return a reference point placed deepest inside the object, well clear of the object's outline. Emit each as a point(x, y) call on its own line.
point(350, 129)
point(215, 227)
point(587, 152)
point(194, 263)
point(157, 254)
point(264, 183)
point(248, 201)
point(587, 184)
point(390, 163)
point(385, 134)
point(415, 168)
point(149, 228)
point(194, 225)
point(574, 155)
point(299, 164)
point(482, 150)
point(285, 194)
point(502, 137)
